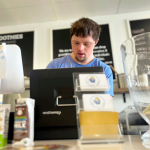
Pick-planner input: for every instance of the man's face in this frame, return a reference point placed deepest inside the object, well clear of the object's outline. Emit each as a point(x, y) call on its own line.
point(83, 48)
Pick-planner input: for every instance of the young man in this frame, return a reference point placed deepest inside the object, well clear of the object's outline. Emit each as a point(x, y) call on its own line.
point(84, 36)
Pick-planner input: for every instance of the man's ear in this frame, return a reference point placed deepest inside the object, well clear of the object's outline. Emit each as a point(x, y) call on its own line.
point(96, 42)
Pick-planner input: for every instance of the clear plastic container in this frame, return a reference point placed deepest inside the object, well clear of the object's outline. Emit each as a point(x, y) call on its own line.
point(97, 120)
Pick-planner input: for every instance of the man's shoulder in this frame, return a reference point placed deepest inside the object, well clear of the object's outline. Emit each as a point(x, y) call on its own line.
point(60, 59)
point(57, 62)
point(106, 67)
point(100, 63)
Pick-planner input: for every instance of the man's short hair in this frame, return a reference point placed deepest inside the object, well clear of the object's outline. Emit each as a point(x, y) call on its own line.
point(85, 27)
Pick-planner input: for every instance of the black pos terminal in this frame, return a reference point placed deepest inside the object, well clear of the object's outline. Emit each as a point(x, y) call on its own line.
point(51, 120)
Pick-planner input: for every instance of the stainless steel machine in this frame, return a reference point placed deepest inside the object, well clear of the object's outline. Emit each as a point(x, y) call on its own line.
point(131, 123)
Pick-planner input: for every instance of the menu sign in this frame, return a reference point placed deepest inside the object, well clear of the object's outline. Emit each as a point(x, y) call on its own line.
point(62, 45)
point(142, 44)
point(103, 50)
point(25, 40)
point(139, 26)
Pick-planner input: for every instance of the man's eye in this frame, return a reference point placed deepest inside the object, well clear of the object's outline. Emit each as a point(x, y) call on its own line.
point(87, 44)
point(76, 43)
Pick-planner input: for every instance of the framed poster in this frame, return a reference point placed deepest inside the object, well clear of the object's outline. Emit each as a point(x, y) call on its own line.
point(139, 26)
point(25, 40)
point(142, 43)
point(62, 44)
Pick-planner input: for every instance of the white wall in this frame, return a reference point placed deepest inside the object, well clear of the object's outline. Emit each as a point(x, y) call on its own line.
point(1, 97)
point(43, 41)
point(42, 49)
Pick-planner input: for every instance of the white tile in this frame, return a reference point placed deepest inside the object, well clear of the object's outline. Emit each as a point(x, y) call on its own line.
point(86, 8)
point(133, 6)
point(27, 15)
point(5, 4)
point(5, 17)
point(60, 1)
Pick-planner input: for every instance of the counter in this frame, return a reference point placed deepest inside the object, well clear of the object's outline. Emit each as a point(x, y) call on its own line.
point(131, 142)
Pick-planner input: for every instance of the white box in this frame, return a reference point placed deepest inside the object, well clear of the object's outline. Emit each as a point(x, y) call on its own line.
point(92, 82)
point(95, 102)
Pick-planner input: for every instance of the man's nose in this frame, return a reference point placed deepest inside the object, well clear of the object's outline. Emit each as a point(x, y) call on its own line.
point(81, 47)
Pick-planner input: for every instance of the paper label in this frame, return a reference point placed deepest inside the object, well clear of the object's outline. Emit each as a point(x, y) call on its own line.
point(24, 122)
point(2, 61)
point(4, 122)
point(2, 118)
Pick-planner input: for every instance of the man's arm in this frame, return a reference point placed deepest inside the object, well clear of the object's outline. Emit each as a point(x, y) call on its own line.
point(109, 76)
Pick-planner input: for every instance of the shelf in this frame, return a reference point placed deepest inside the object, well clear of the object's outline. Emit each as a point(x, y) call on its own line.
point(141, 89)
point(126, 90)
point(121, 91)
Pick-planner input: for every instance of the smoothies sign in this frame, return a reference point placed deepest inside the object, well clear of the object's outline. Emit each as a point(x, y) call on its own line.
point(11, 37)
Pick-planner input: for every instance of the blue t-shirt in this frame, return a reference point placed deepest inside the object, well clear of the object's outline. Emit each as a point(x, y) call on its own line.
point(68, 62)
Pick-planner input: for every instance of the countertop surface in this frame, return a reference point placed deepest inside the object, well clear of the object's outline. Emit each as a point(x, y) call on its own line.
point(131, 142)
